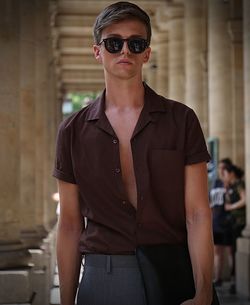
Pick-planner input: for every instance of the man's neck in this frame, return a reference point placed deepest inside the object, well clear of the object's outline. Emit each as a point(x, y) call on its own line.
point(124, 95)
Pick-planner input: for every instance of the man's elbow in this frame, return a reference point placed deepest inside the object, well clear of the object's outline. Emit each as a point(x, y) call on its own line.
point(199, 216)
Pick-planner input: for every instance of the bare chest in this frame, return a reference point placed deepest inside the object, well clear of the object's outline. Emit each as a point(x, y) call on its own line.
point(124, 125)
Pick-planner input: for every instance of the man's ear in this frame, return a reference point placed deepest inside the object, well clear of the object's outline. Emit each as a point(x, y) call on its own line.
point(97, 53)
point(147, 55)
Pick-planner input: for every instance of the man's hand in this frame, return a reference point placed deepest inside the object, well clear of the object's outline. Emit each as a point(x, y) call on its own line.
point(189, 302)
point(193, 302)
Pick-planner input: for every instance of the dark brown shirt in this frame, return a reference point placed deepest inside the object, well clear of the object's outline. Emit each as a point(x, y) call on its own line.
point(167, 137)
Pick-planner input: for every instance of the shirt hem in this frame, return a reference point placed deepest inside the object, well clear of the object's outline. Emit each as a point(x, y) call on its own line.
point(201, 157)
point(62, 176)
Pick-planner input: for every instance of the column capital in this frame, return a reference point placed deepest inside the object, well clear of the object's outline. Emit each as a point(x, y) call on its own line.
point(14, 254)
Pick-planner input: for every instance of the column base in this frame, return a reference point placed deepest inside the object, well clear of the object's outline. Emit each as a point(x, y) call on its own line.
point(15, 287)
point(39, 277)
point(31, 239)
point(14, 255)
point(42, 231)
point(243, 266)
point(246, 231)
point(44, 265)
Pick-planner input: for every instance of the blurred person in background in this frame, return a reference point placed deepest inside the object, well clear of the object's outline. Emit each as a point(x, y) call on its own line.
point(235, 205)
point(221, 229)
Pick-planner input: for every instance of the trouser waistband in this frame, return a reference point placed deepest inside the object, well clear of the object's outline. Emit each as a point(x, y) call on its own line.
point(110, 261)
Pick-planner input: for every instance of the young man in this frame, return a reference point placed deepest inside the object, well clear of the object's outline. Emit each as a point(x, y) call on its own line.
point(134, 164)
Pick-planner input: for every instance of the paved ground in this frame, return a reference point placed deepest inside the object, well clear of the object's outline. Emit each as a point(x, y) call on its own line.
point(223, 294)
point(227, 299)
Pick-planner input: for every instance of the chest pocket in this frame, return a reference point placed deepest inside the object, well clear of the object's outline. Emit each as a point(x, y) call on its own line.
point(167, 170)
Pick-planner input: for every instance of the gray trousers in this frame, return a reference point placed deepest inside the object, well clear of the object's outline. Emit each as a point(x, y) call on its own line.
point(111, 280)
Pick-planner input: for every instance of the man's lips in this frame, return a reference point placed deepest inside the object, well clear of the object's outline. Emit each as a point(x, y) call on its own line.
point(124, 61)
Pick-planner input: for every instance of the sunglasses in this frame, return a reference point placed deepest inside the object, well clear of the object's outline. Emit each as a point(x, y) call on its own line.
point(115, 44)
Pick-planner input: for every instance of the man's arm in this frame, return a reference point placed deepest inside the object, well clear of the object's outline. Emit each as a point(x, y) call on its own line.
point(69, 230)
point(199, 229)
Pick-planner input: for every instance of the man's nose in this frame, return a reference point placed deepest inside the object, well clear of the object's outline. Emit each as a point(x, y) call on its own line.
point(125, 48)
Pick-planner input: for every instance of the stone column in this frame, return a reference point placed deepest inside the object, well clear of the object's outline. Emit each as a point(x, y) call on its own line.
point(220, 76)
point(14, 258)
point(41, 114)
point(46, 79)
point(12, 252)
point(176, 71)
point(161, 40)
point(53, 126)
point(50, 186)
point(195, 48)
point(44, 122)
point(235, 30)
point(243, 244)
point(29, 232)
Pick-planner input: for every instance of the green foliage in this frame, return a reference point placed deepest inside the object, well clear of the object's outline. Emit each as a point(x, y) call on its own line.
point(75, 101)
point(80, 100)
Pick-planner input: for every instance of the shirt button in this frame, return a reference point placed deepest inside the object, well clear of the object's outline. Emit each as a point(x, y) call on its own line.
point(115, 141)
point(124, 201)
point(117, 170)
point(141, 197)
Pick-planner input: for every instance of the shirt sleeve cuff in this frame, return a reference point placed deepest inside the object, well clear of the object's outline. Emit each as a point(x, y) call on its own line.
point(63, 176)
point(197, 158)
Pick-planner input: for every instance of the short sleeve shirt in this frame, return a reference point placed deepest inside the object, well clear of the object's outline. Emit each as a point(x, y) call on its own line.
point(167, 137)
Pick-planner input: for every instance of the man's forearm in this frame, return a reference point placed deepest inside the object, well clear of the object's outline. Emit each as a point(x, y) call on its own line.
point(69, 262)
point(200, 244)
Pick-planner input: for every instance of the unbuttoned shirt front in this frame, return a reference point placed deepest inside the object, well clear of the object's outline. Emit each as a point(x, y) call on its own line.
point(167, 137)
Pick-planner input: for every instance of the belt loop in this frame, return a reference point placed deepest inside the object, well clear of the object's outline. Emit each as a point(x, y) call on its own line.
point(108, 266)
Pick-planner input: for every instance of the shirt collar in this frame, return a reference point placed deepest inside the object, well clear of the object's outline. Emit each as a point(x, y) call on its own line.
point(152, 103)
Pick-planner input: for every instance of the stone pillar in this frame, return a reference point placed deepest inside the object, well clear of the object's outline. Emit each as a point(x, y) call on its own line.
point(220, 76)
point(14, 257)
point(28, 205)
point(46, 80)
point(176, 71)
point(243, 244)
point(52, 133)
point(235, 30)
point(195, 48)
point(12, 252)
point(41, 114)
point(161, 39)
point(44, 122)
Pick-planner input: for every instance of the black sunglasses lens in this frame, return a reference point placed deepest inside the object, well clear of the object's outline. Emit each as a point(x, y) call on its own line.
point(113, 45)
point(137, 45)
